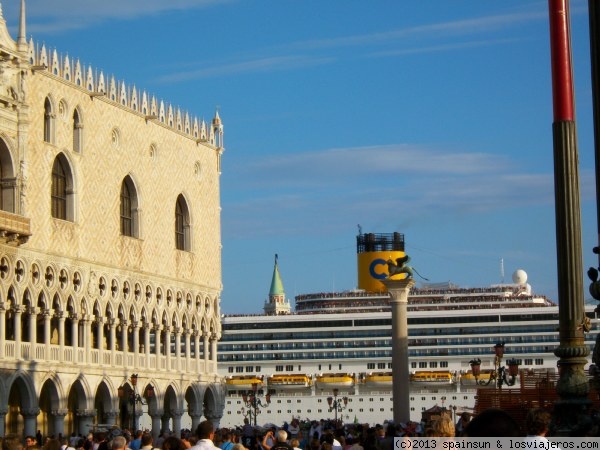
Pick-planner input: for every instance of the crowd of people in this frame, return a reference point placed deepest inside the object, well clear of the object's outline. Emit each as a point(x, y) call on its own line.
point(297, 435)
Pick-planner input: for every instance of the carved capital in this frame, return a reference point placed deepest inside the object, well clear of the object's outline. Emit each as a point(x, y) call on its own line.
point(59, 412)
point(176, 413)
point(86, 413)
point(32, 412)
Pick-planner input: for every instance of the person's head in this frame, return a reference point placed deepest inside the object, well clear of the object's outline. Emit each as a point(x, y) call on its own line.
point(118, 443)
point(493, 422)
point(146, 439)
point(205, 430)
point(537, 422)
point(11, 442)
point(295, 443)
point(238, 446)
point(281, 436)
point(443, 426)
point(173, 443)
point(30, 440)
point(227, 435)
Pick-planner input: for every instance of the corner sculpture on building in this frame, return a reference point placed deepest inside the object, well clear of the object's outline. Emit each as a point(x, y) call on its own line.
point(110, 250)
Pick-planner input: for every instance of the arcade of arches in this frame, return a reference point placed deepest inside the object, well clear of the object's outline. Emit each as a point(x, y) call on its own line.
point(70, 340)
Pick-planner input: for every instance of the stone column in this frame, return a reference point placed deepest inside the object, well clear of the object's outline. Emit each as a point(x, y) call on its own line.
point(111, 417)
point(124, 342)
point(196, 418)
point(58, 419)
point(187, 349)
point(398, 290)
point(33, 331)
point(2, 335)
point(17, 322)
point(30, 421)
point(168, 346)
point(112, 323)
point(61, 335)
point(197, 351)
point(205, 349)
point(48, 334)
point(157, 342)
point(86, 420)
point(213, 416)
point(176, 415)
point(100, 338)
point(135, 329)
point(157, 424)
point(2, 422)
point(165, 419)
point(147, 343)
point(213, 352)
point(75, 337)
point(177, 348)
point(86, 329)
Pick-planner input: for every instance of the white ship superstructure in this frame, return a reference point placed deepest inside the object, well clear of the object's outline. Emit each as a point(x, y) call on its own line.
point(342, 341)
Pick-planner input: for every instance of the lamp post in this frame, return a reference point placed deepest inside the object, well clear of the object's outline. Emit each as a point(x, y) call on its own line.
point(253, 403)
point(501, 375)
point(134, 398)
point(337, 405)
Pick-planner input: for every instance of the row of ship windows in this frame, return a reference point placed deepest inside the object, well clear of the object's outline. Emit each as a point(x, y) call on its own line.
point(427, 321)
point(385, 332)
point(370, 366)
point(413, 343)
point(436, 352)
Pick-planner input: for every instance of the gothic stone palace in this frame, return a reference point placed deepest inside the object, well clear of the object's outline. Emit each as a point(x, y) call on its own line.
point(110, 251)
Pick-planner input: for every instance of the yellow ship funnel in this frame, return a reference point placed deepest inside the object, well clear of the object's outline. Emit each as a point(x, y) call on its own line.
point(372, 253)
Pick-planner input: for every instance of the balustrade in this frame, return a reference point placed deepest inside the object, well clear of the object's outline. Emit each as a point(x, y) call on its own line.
point(185, 360)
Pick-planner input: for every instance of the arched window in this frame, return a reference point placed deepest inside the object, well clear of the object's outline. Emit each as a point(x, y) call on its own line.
point(182, 224)
point(48, 122)
point(77, 132)
point(62, 190)
point(129, 209)
point(8, 181)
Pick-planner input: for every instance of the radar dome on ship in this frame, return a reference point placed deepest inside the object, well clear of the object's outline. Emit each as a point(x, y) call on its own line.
point(519, 277)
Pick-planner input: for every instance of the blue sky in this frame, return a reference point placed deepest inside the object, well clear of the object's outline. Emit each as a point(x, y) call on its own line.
point(432, 118)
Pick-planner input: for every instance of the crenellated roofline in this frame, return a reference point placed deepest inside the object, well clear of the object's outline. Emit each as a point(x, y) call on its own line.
point(98, 84)
point(72, 71)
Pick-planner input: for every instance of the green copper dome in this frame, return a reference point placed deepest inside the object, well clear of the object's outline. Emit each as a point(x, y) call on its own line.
point(276, 283)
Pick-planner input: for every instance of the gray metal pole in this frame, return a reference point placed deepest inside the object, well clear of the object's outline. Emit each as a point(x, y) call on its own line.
point(570, 411)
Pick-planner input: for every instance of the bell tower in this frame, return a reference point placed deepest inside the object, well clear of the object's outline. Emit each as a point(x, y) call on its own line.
point(277, 304)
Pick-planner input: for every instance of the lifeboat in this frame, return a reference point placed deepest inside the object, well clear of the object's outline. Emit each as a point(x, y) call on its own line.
point(378, 379)
point(431, 378)
point(234, 382)
point(335, 380)
point(468, 378)
point(289, 381)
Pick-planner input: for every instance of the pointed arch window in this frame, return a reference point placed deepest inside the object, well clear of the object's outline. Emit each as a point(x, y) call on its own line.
point(62, 203)
point(77, 132)
point(49, 117)
point(8, 181)
point(129, 209)
point(182, 224)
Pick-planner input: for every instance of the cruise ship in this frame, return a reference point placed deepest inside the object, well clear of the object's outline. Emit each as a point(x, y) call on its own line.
point(334, 349)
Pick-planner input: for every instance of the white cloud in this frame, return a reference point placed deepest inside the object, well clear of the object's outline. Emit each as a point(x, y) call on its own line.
point(332, 188)
point(63, 15)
